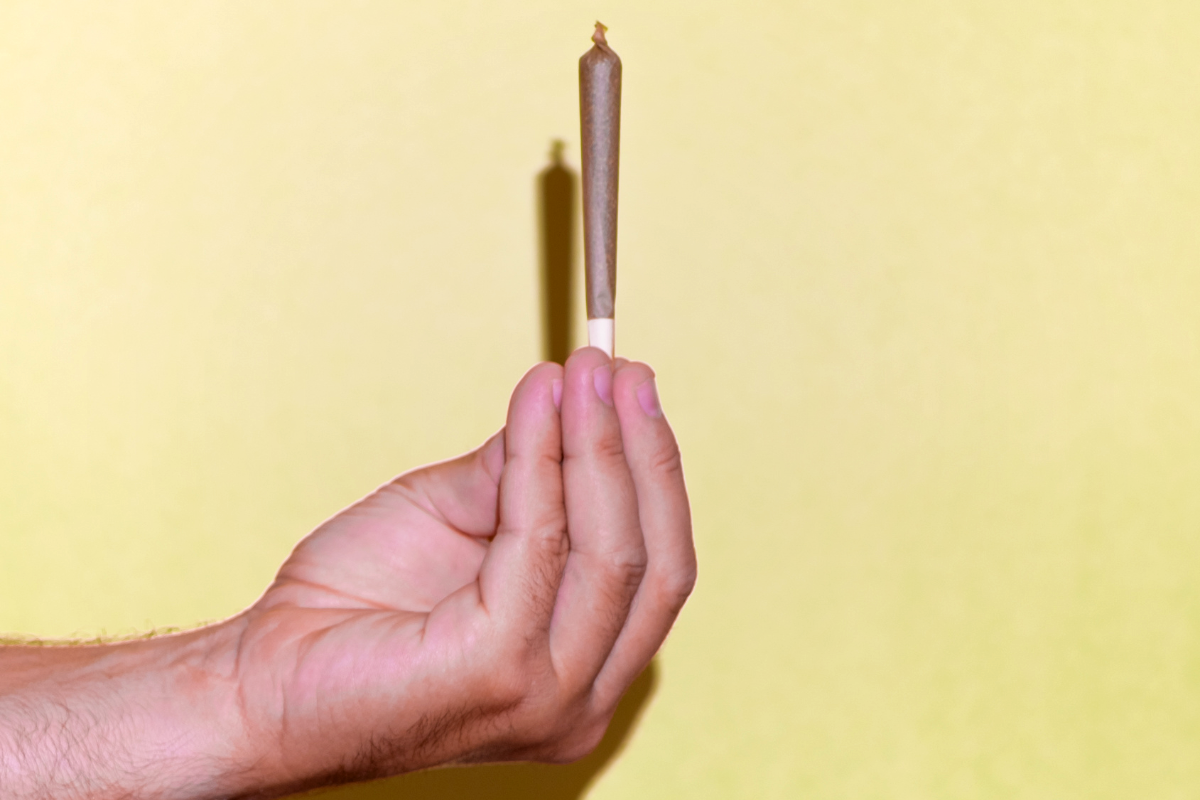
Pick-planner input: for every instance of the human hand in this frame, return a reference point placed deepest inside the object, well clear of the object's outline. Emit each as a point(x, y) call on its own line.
point(492, 607)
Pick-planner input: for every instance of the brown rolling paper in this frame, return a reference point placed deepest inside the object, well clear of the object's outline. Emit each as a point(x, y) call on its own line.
point(600, 120)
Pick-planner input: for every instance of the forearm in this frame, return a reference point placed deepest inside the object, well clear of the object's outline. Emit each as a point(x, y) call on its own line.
point(144, 719)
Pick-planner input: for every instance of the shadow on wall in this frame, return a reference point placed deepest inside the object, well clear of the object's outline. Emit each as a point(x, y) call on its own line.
point(556, 245)
point(515, 781)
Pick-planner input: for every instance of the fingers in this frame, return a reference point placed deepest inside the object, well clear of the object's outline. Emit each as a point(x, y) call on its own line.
point(607, 556)
point(593, 545)
point(592, 558)
point(653, 459)
point(520, 575)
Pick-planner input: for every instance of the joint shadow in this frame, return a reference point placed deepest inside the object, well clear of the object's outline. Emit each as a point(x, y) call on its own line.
point(556, 189)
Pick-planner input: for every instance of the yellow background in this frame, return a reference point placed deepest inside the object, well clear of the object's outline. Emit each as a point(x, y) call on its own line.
point(920, 281)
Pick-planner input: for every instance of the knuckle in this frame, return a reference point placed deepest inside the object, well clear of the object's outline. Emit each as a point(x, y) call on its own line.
point(667, 459)
point(627, 566)
point(609, 447)
point(676, 585)
point(547, 537)
point(544, 529)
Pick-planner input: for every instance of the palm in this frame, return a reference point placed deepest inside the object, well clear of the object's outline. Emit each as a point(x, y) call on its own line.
point(395, 550)
point(354, 599)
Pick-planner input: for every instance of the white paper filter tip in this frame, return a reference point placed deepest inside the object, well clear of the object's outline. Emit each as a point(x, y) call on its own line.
point(600, 334)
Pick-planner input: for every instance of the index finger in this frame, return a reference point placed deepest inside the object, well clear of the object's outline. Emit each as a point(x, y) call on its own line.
point(519, 577)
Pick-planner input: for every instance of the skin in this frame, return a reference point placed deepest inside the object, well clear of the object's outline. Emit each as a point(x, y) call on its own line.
point(489, 608)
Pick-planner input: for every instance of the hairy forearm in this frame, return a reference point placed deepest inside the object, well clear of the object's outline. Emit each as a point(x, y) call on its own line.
point(144, 719)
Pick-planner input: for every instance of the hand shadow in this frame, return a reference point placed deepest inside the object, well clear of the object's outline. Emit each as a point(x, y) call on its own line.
point(515, 781)
point(556, 188)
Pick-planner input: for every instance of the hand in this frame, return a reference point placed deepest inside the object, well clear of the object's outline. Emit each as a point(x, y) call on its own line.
point(492, 607)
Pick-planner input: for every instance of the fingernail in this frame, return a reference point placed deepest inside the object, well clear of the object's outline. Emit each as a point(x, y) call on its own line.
point(602, 380)
point(647, 394)
point(556, 391)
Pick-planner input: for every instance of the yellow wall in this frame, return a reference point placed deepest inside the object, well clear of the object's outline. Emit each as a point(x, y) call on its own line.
point(920, 280)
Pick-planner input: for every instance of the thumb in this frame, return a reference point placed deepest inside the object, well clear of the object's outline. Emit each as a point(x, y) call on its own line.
point(463, 491)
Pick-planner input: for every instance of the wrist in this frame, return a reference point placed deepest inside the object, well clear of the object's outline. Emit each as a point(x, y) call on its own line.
point(150, 718)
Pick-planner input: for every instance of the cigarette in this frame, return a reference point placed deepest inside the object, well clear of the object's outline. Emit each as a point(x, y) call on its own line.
point(600, 121)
